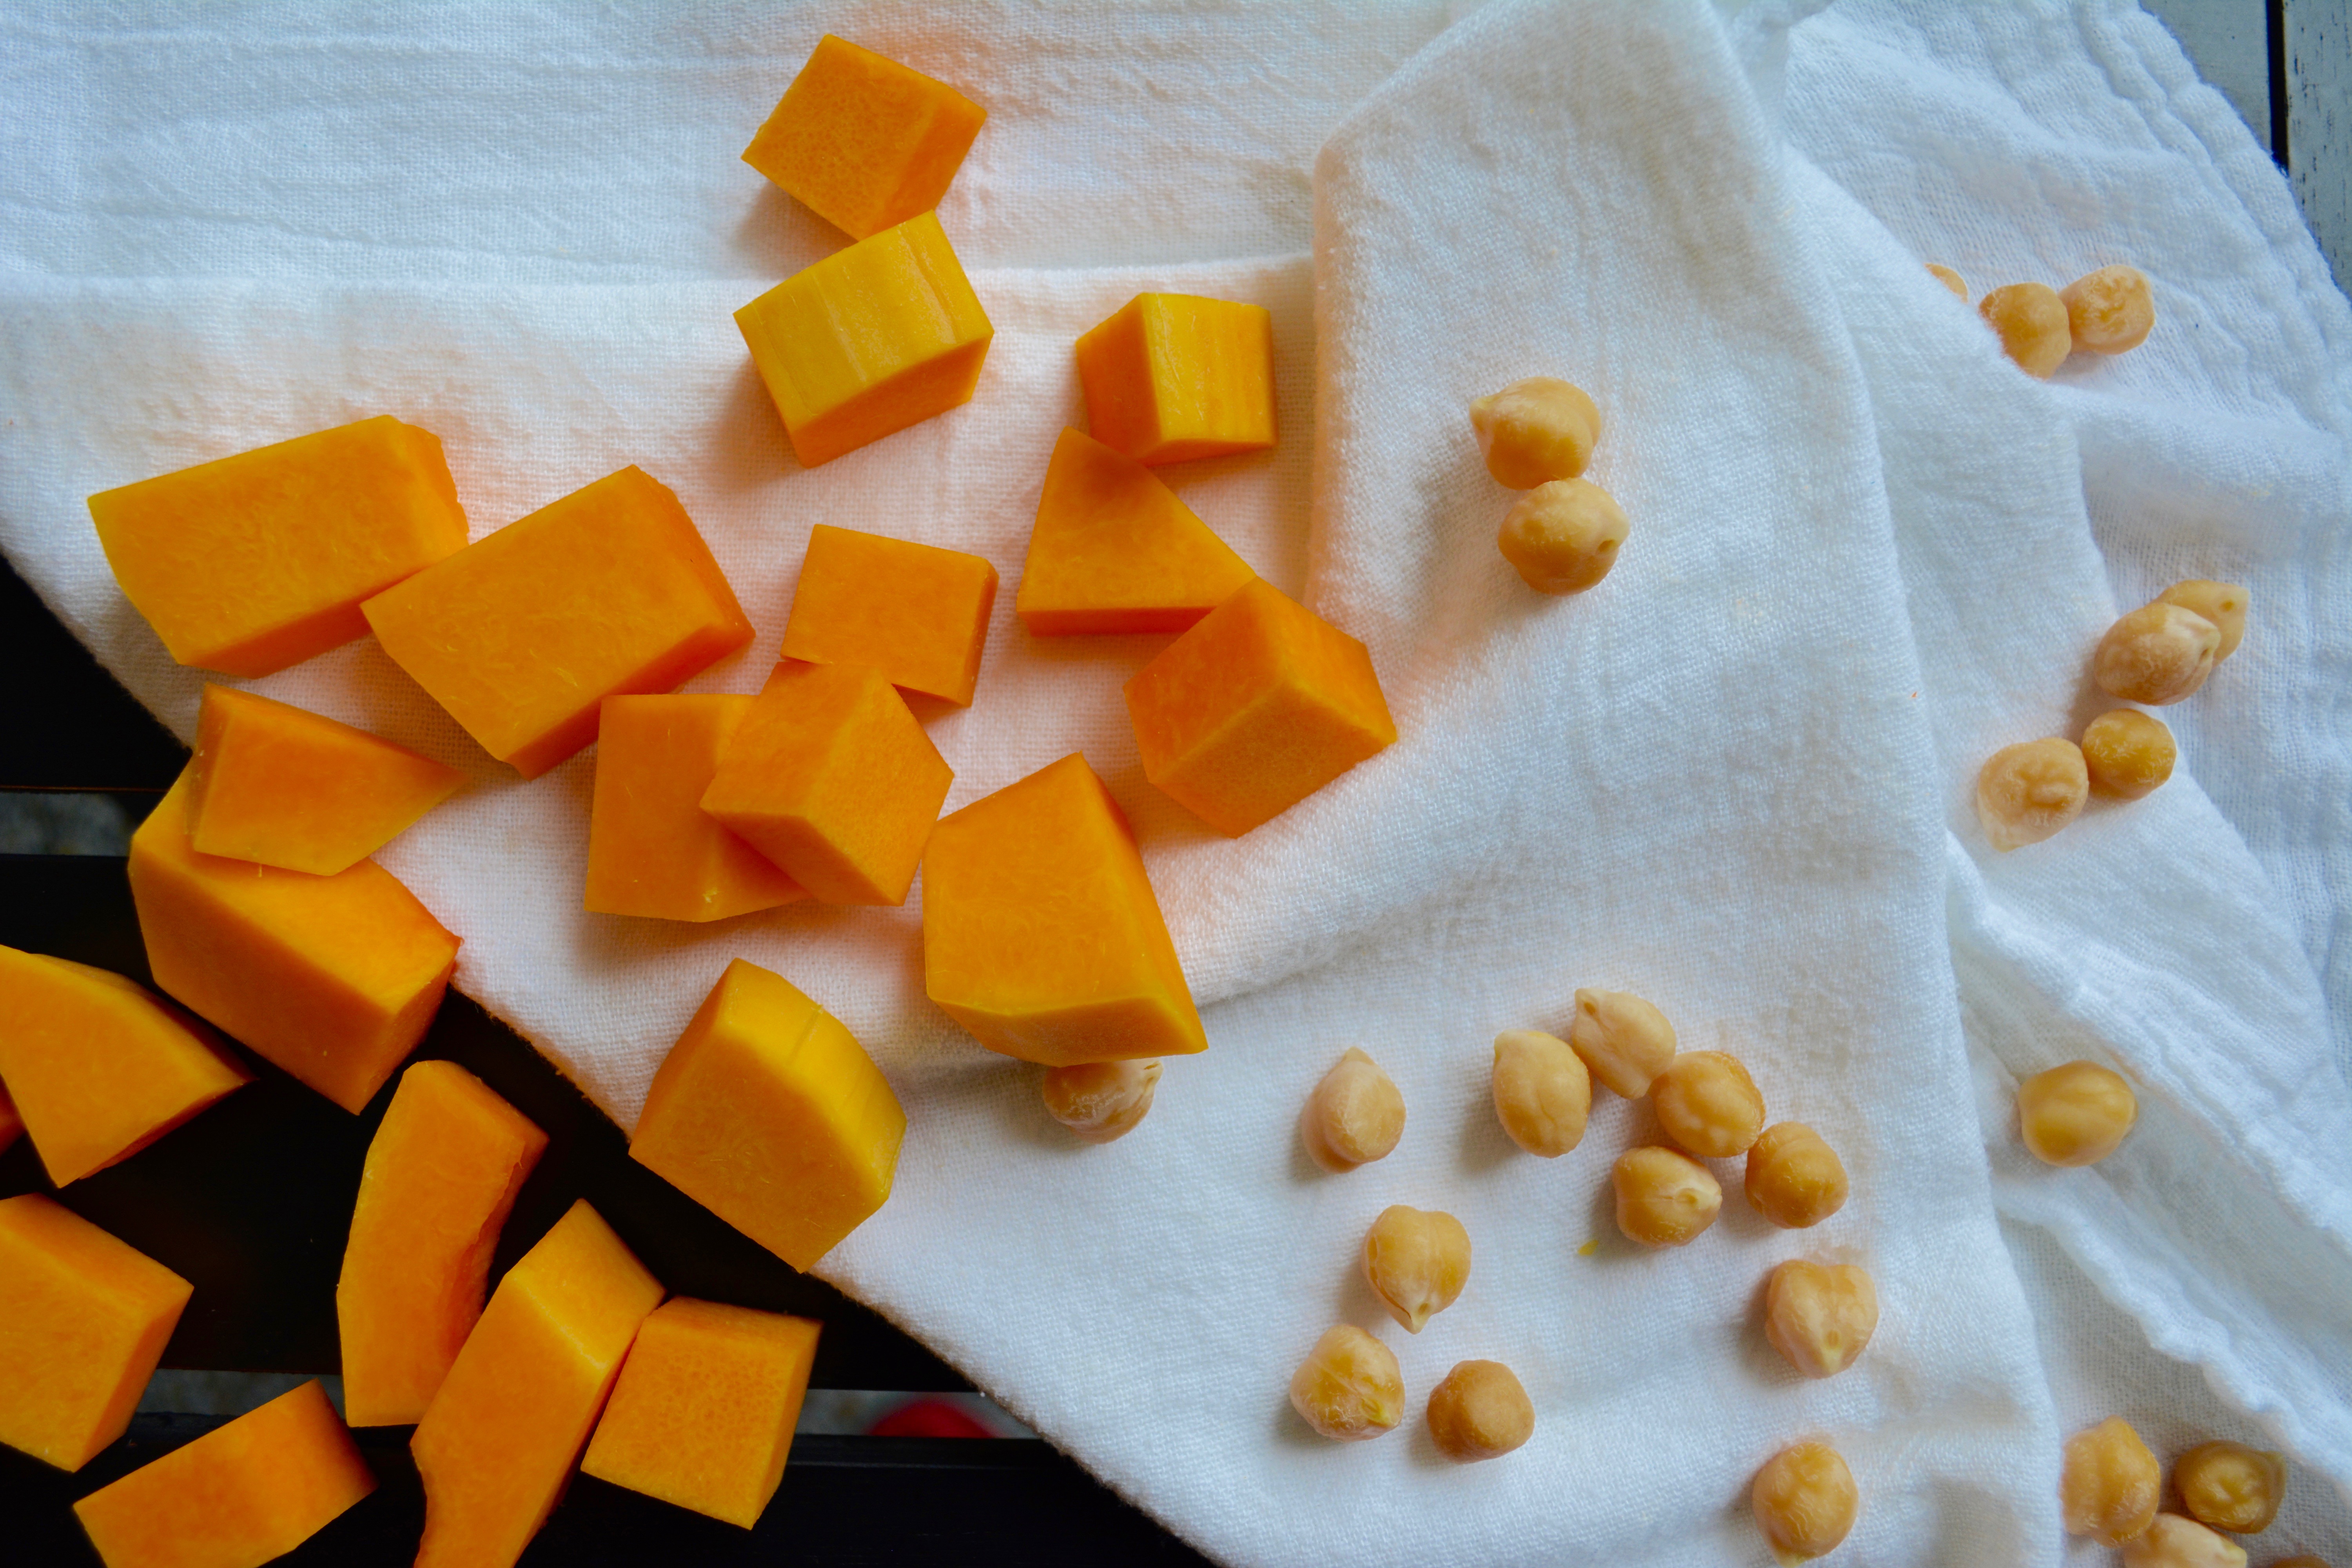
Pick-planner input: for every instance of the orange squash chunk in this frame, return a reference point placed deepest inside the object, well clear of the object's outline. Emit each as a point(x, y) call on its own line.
point(283, 786)
point(1114, 550)
point(12, 1126)
point(869, 340)
point(241, 1494)
point(99, 1067)
point(833, 779)
point(862, 140)
point(520, 636)
point(770, 1114)
point(705, 1409)
point(651, 850)
point(500, 1439)
point(1041, 935)
point(1171, 377)
point(1256, 709)
point(441, 1175)
point(250, 564)
point(332, 978)
point(83, 1320)
point(915, 612)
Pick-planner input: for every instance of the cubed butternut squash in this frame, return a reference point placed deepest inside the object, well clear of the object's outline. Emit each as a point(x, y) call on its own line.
point(12, 1125)
point(917, 613)
point(651, 849)
point(862, 140)
point(1170, 377)
point(1113, 551)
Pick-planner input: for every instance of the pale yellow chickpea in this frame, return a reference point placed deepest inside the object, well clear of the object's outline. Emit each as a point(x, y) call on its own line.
point(1664, 1198)
point(1794, 1178)
point(1950, 279)
point(1805, 1500)
point(2110, 310)
point(1349, 1388)
point(2127, 754)
point(2027, 792)
point(2109, 1484)
point(1480, 1412)
point(2223, 603)
point(2173, 1541)
point(1100, 1102)
point(1354, 1115)
point(1820, 1316)
point(1416, 1261)
point(2076, 1114)
point(2231, 1487)
point(1542, 1091)
point(1537, 429)
point(1625, 1041)
point(2158, 654)
point(1562, 537)
point(1706, 1103)
point(2032, 321)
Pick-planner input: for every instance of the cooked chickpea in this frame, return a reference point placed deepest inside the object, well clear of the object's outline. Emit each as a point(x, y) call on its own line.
point(2158, 654)
point(2173, 1541)
point(1950, 279)
point(1805, 1500)
point(1563, 536)
point(1354, 1115)
point(1707, 1102)
point(2108, 1487)
point(1101, 1100)
point(1625, 1041)
point(1794, 1178)
point(2108, 312)
point(1349, 1386)
point(2223, 603)
point(2032, 321)
point(2127, 753)
point(1664, 1198)
point(2231, 1487)
point(2027, 792)
point(1820, 1317)
point(1542, 1091)
point(1480, 1412)
point(1416, 1260)
point(2076, 1114)
point(1537, 429)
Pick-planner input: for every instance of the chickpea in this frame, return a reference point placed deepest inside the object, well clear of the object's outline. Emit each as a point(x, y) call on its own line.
point(2157, 655)
point(1349, 1386)
point(1480, 1412)
point(1794, 1178)
point(1542, 1091)
point(2110, 1482)
point(1416, 1261)
point(1820, 1317)
point(1354, 1115)
point(1623, 1039)
point(1707, 1102)
point(2026, 793)
point(2173, 1541)
point(1537, 429)
point(1664, 1198)
point(2108, 312)
point(1950, 279)
point(1101, 1102)
point(2223, 603)
point(2076, 1114)
point(2032, 324)
point(1805, 1500)
point(1562, 536)
point(2231, 1487)
point(2127, 753)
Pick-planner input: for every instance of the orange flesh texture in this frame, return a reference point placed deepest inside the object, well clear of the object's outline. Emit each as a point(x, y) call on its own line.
point(863, 141)
point(1171, 377)
point(97, 1067)
point(608, 590)
point(332, 978)
point(250, 564)
point(831, 778)
point(83, 1320)
point(1041, 935)
point(499, 1441)
point(770, 1114)
point(703, 1412)
point(915, 612)
point(1113, 551)
point(441, 1175)
point(1256, 709)
point(243, 1494)
point(870, 339)
point(12, 1126)
point(285, 787)
point(651, 850)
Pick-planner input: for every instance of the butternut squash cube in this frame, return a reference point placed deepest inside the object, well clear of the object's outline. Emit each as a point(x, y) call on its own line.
point(705, 1409)
point(1113, 551)
point(98, 1066)
point(869, 340)
point(1256, 709)
point(83, 1320)
point(833, 779)
point(770, 1114)
point(1041, 935)
point(249, 564)
point(12, 1125)
point(244, 1493)
point(332, 978)
point(862, 140)
point(915, 612)
point(521, 635)
point(441, 1175)
point(276, 784)
point(499, 1441)
point(1171, 377)
point(651, 850)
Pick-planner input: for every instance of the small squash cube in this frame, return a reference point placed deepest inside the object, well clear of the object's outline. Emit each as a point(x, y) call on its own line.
point(1171, 377)
point(651, 849)
point(862, 140)
point(1113, 551)
point(915, 612)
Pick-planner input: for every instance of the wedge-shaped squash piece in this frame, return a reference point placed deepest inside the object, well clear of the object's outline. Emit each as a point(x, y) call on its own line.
point(332, 978)
point(869, 340)
point(830, 777)
point(1170, 377)
point(99, 1067)
point(519, 636)
point(915, 612)
point(277, 784)
point(1256, 709)
point(703, 1412)
point(1114, 550)
point(651, 850)
point(770, 1114)
point(1041, 935)
point(862, 140)
point(241, 1494)
point(500, 1439)
point(249, 564)
point(12, 1125)
point(441, 1175)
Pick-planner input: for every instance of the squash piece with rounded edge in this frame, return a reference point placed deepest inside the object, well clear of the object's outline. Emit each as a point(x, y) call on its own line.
point(1115, 551)
point(652, 850)
point(1171, 377)
point(863, 141)
point(915, 612)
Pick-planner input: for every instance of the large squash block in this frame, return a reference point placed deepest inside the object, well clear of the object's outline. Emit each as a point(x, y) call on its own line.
point(1113, 551)
point(1171, 377)
point(915, 612)
point(863, 141)
point(651, 850)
